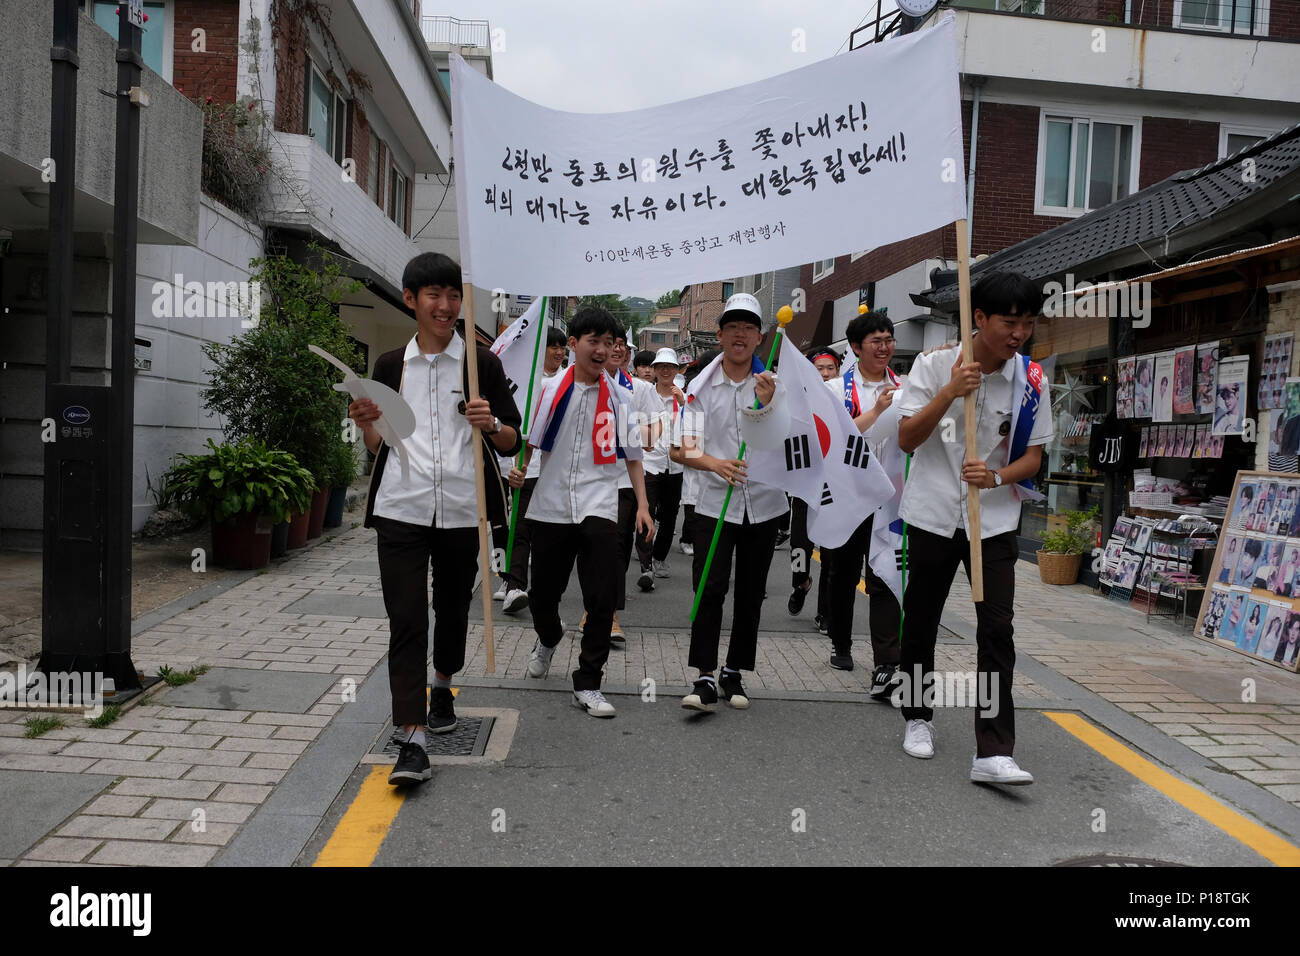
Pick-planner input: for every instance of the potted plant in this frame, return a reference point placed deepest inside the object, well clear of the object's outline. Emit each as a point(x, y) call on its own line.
point(343, 471)
point(1063, 548)
point(244, 489)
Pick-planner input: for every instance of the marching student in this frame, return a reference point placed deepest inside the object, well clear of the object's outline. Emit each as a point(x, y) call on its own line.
point(709, 443)
point(643, 366)
point(574, 507)
point(663, 476)
point(1013, 422)
point(827, 363)
point(432, 517)
point(690, 477)
point(516, 579)
point(644, 406)
point(867, 388)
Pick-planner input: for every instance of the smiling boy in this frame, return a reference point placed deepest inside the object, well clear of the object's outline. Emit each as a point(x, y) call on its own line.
point(431, 518)
point(1013, 422)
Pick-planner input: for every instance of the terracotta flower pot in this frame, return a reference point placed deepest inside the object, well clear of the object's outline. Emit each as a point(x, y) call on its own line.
point(1057, 568)
point(242, 542)
point(298, 529)
point(320, 499)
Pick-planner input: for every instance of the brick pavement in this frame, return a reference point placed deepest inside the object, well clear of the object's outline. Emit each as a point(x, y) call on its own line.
point(187, 778)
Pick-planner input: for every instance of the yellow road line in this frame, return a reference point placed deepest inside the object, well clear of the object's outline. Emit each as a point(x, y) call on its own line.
point(1262, 841)
point(817, 556)
point(357, 837)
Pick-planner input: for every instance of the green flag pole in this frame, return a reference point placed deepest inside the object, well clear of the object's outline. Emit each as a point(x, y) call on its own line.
point(783, 318)
point(528, 411)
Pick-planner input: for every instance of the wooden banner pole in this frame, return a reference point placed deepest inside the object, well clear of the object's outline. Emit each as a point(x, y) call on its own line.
point(484, 535)
point(972, 448)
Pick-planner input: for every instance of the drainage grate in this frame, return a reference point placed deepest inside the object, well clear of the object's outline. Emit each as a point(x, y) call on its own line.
point(469, 739)
point(1115, 861)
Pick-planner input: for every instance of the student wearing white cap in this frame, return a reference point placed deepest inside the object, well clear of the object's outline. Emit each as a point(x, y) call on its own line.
point(663, 476)
point(709, 443)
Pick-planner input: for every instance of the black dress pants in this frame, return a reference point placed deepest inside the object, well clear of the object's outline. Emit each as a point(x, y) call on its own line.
point(752, 546)
point(406, 553)
point(932, 562)
point(848, 564)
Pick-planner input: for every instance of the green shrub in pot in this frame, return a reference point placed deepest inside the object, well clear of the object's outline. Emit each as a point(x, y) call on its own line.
point(242, 478)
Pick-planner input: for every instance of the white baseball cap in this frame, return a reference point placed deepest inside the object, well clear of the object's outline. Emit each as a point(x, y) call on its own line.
point(666, 356)
point(741, 307)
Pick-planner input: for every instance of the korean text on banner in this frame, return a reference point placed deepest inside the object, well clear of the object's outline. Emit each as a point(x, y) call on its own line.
point(850, 153)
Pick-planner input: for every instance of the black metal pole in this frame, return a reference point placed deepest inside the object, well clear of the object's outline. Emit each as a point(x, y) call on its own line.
point(117, 566)
point(58, 316)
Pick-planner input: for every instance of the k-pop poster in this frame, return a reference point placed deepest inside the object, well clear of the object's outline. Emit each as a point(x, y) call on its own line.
point(1184, 361)
point(1124, 391)
point(1162, 407)
point(1206, 368)
point(1146, 366)
point(1230, 395)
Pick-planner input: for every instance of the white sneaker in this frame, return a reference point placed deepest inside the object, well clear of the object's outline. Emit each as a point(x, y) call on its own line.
point(687, 548)
point(539, 665)
point(661, 569)
point(515, 600)
point(999, 770)
point(594, 703)
point(500, 594)
point(918, 739)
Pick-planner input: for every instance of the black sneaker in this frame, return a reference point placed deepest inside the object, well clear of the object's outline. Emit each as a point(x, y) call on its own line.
point(819, 622)
point(646, 582)
point(797, 597)
point(412, 767)
point(733, 691)
point(842, 662)
point(882, 681)
point(704, 697)
point(442, 715)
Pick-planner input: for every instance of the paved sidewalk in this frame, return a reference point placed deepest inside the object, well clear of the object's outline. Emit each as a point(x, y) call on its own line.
point(313, 626)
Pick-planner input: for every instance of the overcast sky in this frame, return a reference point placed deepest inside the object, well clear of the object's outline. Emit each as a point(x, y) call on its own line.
point(593, 56)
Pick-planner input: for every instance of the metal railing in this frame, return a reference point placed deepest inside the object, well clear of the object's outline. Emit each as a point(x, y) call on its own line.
point(1221, 17)
point(455, 32)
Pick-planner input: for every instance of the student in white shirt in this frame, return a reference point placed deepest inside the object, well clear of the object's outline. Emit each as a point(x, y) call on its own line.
point(663, 476)
point(574, 508)
point(867, 389)
point(642, 408)
point(432, 516)
point(515, 581)
point(1014, 421)
point(710, 443)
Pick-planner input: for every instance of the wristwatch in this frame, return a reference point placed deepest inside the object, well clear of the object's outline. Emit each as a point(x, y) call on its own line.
point(496, 424)
point(997, 480)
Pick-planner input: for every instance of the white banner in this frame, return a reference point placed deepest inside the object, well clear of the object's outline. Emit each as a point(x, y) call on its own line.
point(850, 153)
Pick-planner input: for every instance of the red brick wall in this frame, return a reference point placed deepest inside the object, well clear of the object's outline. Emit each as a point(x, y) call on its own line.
point(410, 193)
point(381, 194)
point(290, 70)
point(1171, 145)
point(211, 73)
point(1283, 16)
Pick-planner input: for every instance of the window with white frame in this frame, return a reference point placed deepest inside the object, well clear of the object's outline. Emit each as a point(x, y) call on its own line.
point(822, 268)
point(1233, 138)
point(327, 114)
point(1084, 162)
point(1225, 16)
point(397, 197)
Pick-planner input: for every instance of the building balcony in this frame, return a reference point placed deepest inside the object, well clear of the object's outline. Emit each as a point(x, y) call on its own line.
point(309, 194)
point(448, 31)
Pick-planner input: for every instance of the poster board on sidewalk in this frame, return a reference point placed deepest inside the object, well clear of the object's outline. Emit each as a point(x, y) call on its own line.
point(1252, 598)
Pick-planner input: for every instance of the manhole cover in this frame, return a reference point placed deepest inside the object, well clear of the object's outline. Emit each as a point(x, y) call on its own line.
point(469, 739)
point(1115, 861)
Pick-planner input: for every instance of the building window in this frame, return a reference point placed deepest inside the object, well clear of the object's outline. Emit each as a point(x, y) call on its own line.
point(397, 198)
point(822, 268)
point(758, 282)
point(1084, 163)
point(657, 338)
point(446, 78)
point(727, 289)
point(326, 115)
point(155, 36)
point(1249, 16)
point(858, 255)
point(1233, 139)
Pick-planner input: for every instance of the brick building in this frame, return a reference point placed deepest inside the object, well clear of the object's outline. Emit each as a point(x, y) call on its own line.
point(1131, 94)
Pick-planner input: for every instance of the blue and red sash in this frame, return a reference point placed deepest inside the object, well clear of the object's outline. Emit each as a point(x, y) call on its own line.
point(605, 444)
point(1030, 376)
point(851, 401)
